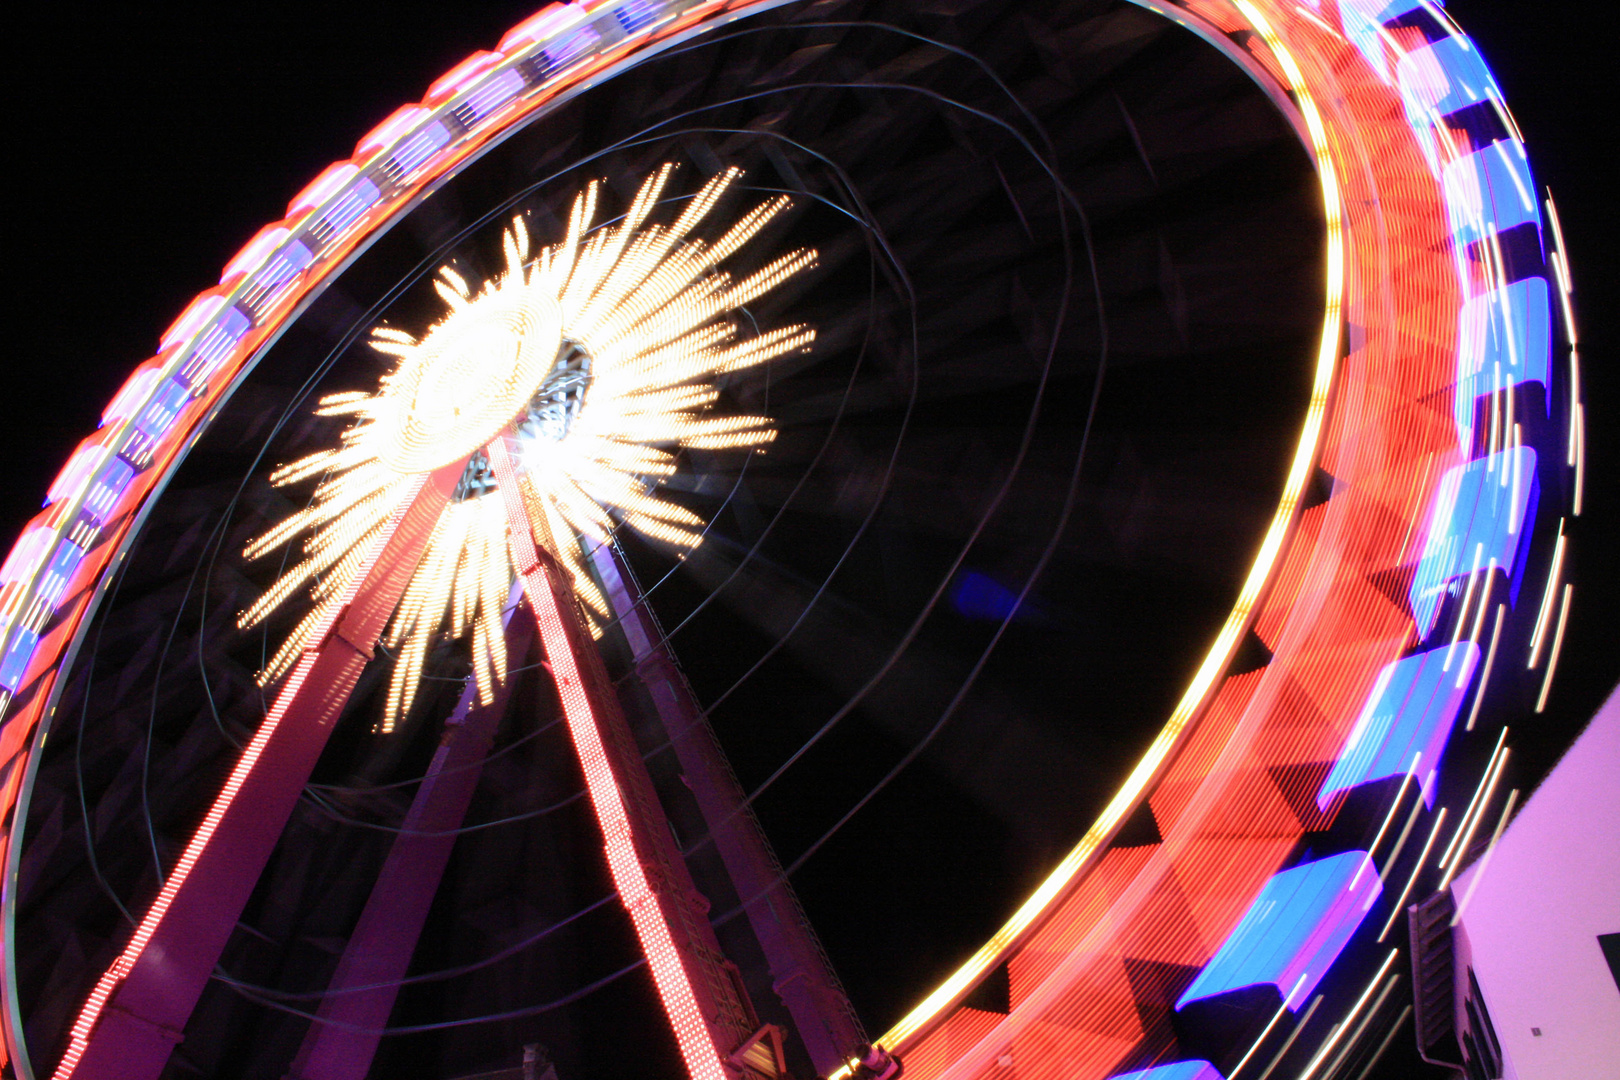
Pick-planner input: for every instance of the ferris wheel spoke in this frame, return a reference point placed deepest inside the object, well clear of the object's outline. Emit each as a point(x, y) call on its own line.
point(800, 971)
point(652, 882)
point(342, 1044)
point(133, 1018)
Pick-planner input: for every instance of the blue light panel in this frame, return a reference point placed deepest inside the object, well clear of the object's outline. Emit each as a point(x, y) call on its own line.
point(1504, 338)
point(409, 155)
point(1293, 931)
point(109, 483)
point(1176, 1070)
point(347, 208)
point(1478, 516)
point(165, 405)
point(1489, 191)
point(569, 48)
point(215, 345)
point(17, 656)
point(286, 263)
point(1411, 711)
point(493, 92)
point(1464, 80)
point(633, 15)
point(64, 561)
point(979, 596)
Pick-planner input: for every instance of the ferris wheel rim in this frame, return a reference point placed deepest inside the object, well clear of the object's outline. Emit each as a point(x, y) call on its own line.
point(717, 14)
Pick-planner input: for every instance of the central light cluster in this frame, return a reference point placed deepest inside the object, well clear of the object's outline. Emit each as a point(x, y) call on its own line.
point(599, 355)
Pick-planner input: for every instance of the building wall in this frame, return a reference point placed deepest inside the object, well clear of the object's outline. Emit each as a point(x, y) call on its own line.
point(1530, 929)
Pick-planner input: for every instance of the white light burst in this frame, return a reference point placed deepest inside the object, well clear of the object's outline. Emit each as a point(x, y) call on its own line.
point(599, 355)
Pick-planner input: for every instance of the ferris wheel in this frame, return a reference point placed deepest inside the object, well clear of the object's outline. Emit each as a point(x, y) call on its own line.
point(701, 431)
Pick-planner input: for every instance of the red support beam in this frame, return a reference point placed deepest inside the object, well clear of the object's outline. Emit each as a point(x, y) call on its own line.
point(139, 1009)
point(701, 993)
point(800, 973)
point(343, 1042)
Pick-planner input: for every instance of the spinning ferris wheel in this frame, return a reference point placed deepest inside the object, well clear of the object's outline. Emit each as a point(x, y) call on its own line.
point(1083, 486)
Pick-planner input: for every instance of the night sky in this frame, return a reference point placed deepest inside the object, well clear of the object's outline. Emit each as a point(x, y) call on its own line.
point(149, 142)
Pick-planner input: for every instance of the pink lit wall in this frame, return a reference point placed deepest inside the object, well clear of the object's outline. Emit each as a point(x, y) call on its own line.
point(1531, 927)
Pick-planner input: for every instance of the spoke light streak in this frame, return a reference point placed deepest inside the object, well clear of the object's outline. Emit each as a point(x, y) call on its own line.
point(328, 614)
point(540, 573)
point(605, 349)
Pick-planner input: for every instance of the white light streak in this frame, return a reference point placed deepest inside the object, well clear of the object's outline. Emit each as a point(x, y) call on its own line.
point(1565, 283)
point(1468, 600)
point(1580, 458)
point(1411, 819)
point(1479, 624)
point(1340, 1028)
point(1473, 801)
point(604, 351)
point(1276, 1016)
point(1485, 860)
point(1389, 817)
point(1417, 868)
point(1550, 594)
point(1574, 403)
point(1299, 1026)
point(1394, 1029)
point(1485, 674)
point(1350, 1043)
point(1457, 849)
point(1557, 646)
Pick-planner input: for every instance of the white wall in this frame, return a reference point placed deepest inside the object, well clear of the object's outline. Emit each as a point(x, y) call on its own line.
point(1552, 886)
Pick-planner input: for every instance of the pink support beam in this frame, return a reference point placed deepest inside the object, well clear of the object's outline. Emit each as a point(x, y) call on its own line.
point(342, 1044)
point(139, 1009)
point(703, 998)
point(800, 974)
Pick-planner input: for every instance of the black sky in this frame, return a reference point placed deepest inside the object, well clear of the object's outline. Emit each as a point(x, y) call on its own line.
point(149, 143)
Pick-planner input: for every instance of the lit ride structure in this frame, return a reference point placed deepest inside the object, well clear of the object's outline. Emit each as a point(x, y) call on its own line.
point(1295, 798)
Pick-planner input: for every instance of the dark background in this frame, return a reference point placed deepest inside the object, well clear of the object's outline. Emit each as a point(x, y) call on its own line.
point(148, 145)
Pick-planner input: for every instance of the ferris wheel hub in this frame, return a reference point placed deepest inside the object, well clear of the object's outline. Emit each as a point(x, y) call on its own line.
point(468, 377)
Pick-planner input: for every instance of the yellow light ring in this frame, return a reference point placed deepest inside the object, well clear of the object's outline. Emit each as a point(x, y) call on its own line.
point(1392, 269)
point(1335, 144)
point(1206, 681)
